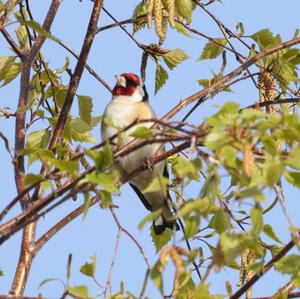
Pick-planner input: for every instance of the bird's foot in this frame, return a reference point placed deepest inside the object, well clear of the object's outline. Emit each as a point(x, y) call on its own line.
point(148, 164)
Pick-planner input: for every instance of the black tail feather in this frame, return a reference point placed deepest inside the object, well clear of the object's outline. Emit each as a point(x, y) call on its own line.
point(161, 227)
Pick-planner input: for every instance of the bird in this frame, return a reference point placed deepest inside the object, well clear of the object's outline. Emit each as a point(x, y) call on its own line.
point(130, 104)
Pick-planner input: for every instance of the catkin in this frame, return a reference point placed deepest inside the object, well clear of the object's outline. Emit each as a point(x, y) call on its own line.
point(248, 160)
point(171, 11)
point(267, 89)
point(158, 15)
point(150, 6)
point(248, 259)
point(267, 92)
point(164, 29)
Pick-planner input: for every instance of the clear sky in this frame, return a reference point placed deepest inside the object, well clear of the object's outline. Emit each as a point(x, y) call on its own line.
point(113, 53)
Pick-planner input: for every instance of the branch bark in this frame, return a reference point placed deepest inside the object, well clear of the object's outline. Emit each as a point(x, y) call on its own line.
point(204, 92)
point(28, 237)
point(65, 110)
point(266, 268)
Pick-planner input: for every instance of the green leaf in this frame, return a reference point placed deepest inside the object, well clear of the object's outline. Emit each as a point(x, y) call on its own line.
point(140, 10)
point(240, 28)
point(182, 30)
point(191, 226)
point(89, 269)
point(264, 38)
point(220, 221)
point(105, 180)
point(296, 281)
point(184, 8)
point(63, 69)
point(257, 220)
point(252, 192)
point(81, 291)
point(38, 139)
point(22, 36)
point(156, 276)
point(13, 71)
point(79, 130)
point(46, 281)
point(202, 206)
point(289, 265)
point(268, 230)
point(161, 76)
point(234, 245)
point(158, 183)
point(142, 133)
point(227, 115)
point(185, 169)
point(150, 217)
point(202, 291)
point(87, 204)
point(173, 58)
point(5, 64)
point(80, 126)
point(160, 241)
point(106, 199)
point(103, 159)
point(85, 104)
point(293, 178)
point(31, 178)
point(273, 170)
point(293, 159)
point(35, 26)
point(68, 166)
point(212, 49)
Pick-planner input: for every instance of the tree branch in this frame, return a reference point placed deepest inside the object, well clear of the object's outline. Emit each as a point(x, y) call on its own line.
point(266, 268)
point(12, 43)
point(87, 44)
point(28, 237)
point(217, 85)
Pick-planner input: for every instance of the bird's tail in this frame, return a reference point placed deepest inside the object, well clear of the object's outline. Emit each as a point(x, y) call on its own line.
point(165, 220)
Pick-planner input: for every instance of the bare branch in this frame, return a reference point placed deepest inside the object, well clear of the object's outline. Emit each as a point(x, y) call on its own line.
point(117, 246)
point(120, 227)
point(88, 41)
point(217, 85)
point(12, 43)
point(57, 227)
point(28, 238)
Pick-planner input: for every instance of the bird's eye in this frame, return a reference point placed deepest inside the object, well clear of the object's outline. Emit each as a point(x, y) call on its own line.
point(131, 82)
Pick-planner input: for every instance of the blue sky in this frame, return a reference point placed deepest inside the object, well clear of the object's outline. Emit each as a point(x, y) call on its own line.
point(113, 53)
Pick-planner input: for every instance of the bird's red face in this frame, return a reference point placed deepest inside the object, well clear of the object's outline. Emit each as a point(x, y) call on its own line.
point(126, 84)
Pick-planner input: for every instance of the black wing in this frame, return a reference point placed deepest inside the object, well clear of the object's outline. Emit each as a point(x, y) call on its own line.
point(141, 197)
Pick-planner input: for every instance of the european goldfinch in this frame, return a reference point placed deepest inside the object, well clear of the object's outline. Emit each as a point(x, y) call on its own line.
point(129, 103)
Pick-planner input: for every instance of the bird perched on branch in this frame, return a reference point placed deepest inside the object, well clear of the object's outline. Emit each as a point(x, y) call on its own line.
point(129, 104)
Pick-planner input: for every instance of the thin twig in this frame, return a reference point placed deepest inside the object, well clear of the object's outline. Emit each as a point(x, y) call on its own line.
point(120, 227)
point(109, 278)
point(217, 85)
point(12, 43)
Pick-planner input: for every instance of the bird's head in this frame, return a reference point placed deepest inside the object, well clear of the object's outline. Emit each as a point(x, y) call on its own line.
point(129, 87)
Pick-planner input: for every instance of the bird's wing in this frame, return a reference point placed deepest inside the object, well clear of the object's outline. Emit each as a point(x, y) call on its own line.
point(141, 197)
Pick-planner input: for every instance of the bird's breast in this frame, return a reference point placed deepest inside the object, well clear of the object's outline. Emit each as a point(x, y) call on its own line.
point(122, 115)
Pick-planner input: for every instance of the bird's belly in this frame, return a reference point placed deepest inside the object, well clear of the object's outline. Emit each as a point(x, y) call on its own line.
point(139, 157)
point(122, 116)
